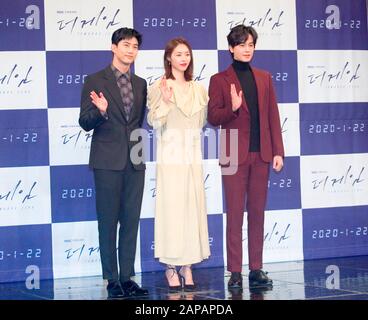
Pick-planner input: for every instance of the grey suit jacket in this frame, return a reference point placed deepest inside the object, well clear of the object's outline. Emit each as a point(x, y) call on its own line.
point(111, 145)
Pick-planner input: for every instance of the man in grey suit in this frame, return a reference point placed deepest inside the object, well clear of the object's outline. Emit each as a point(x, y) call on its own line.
point(113, 103)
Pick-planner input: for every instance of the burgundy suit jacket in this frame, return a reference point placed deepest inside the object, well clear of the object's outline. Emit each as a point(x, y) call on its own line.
point(220, 113)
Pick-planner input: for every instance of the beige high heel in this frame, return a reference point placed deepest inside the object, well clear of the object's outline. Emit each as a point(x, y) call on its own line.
point(173, 274)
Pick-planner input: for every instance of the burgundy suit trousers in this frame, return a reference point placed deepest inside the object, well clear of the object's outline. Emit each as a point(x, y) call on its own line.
point(247, 188)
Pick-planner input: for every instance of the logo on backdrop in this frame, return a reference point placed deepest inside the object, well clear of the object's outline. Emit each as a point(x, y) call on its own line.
point(23, 138)
point(332, 21)
point(339, 76)
point(283, 68)
point(278, 233)
point(22, 84)
point(66, 74)
point(205, 65)
point(274, 22)
point(75, 249)
point(213, 186)
point(343, 184)
point(28, 253)
point(76, 138)
point(285, 80)
point(334, 26)
point(69, 144)
point(334, 232)
point(30, 20)
point(333, 128)
point(271, 19)
point(22, 246)
point(343, 76)
point(76, 252)
point(283, 236)
point(103, 17)
point(24, 196)
point(74, 26)
point(284, 124)
point(21, 25)
point(160, 22)
point(149, 65)
point(284, 186)
point(72, 194)
point(352, 176)
point(17, 76)
point(159, 71)
point(289, 120)
point(18, 193)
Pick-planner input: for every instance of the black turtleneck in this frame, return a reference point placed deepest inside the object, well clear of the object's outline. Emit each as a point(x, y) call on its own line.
point(248, 84)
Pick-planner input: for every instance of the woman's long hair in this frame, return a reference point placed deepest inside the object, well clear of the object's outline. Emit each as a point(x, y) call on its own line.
point(170, 46)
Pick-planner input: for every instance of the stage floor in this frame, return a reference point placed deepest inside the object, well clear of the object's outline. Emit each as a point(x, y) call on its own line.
point(298, 280)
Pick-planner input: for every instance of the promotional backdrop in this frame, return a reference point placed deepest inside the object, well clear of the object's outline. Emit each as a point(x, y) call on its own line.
point(317, 53)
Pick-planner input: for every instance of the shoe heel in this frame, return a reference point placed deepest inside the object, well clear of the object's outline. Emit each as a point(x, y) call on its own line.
point(182, 280)
point(187, 287)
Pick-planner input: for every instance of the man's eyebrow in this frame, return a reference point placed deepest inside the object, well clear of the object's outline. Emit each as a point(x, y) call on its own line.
point(127, 41)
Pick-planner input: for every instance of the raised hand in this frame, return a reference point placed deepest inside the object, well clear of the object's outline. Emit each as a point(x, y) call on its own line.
point(166, 91)
point(99, 101)
point(236, 99)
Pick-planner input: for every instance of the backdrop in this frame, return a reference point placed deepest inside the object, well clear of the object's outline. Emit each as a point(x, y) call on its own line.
point(316, 51)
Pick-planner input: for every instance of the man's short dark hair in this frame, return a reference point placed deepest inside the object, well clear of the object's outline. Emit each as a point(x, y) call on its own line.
point(239, 34)
point(126, 33)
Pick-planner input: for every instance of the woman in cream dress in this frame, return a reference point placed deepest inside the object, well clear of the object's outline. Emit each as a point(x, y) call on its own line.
point(177, 110)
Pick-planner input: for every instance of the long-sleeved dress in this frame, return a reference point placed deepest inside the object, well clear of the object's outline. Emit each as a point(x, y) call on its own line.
point(181, 231)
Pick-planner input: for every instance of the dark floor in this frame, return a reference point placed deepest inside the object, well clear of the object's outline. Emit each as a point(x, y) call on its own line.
point(299, 280)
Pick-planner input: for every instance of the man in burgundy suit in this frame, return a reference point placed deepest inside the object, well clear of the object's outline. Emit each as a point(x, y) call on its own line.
point(243, 102)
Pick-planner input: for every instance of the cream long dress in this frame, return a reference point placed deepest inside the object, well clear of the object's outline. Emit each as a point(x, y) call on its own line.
point(181, 231)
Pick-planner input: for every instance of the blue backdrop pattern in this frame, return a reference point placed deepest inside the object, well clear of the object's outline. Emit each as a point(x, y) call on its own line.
point(317, 53)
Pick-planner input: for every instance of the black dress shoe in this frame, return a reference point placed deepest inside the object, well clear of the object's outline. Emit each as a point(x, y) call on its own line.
point(259, 278)
point(258, 293)
point(130, 288)
point(236, 280)
point(236, 293)
point(114, 290)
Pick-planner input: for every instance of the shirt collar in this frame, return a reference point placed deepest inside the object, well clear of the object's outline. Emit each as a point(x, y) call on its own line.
point(118, 74)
